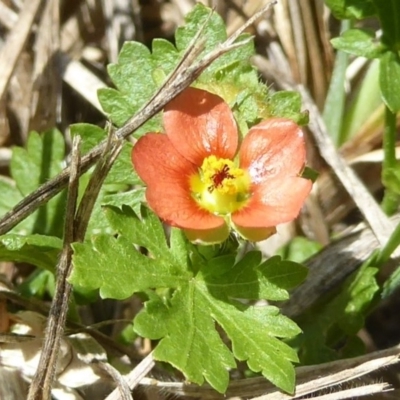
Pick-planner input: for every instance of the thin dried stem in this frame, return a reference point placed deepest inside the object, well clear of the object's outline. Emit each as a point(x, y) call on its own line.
point(135, 376)
point(42, 381)
point(122, 390)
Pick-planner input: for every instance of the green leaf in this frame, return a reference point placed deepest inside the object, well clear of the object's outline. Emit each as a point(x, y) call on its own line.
point(349, 9)
point(360, 42)
point(132, 198)
point(38, 284)
point(389, 77)
point(116, 105)
point(10, 196)
point(191, 343)
point(214, 34)
point(165, 56)
point(98, 224)
point(188, 295)
point(328, 326)
point(361, 111)
point(129, 77)
point(91, 136)
point(146, 232)
point(336, 97)
point(300, 249)
point(115, 267)
point(132, 77)
point(138, 73)
point(122, 171)
point(393, 282)
point(309, 173)
point(287, 104)
point(354, 347)
point(284, 274)
point(251, 280)
point(42, 159)
point(41, 251)
point(253, 338)
point(362, 291)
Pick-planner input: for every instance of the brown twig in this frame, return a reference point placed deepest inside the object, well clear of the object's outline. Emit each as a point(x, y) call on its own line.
point(122, 390)
point(41, 384)
point(75, 230)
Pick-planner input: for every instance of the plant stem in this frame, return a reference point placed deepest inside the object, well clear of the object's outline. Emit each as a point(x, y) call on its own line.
point(391, 199)
point(392, 244)
point(335, 99)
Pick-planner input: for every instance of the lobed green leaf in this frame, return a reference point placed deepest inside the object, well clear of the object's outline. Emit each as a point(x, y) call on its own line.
point(39, 250)
point(117, 268)
point(360, 42)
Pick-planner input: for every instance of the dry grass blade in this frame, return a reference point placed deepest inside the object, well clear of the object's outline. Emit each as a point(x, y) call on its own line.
point(16, 40)
point(7, 17)
point(73, 72)
point(310, 380)
point(82, 80)
point(5, 156)
point(46, 82)
point(366, 390)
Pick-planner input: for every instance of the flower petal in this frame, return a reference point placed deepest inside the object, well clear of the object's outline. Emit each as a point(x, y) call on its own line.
point(166, 174)
point(274, 202)
point(200, 124)
point(273, 148)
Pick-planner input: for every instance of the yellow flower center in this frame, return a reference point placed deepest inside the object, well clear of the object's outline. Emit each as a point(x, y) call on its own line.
point(220, 187)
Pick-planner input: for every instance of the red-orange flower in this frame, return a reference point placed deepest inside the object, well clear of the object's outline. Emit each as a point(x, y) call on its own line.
point(198, 180)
